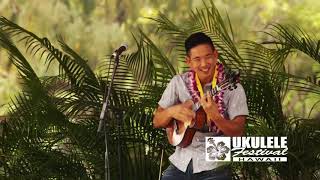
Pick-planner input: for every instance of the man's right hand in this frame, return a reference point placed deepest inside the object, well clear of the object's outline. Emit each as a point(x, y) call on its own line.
point(183, 112)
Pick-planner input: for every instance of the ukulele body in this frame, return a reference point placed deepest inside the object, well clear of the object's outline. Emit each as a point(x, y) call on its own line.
point(181, 133)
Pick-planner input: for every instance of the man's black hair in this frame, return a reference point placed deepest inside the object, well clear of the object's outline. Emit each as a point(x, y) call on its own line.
point(197, 39)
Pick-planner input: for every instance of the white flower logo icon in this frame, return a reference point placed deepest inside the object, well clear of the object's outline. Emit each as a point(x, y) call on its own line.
point(217, 151)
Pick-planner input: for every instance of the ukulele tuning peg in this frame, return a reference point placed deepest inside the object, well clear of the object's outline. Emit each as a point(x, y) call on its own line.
point(237, 72)
point(228, 72)
point(235, 86)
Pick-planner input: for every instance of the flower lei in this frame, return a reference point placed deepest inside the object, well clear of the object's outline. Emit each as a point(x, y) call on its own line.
point(195, 89)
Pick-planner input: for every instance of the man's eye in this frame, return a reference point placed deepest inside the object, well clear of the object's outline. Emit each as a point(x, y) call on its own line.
point(208, 57)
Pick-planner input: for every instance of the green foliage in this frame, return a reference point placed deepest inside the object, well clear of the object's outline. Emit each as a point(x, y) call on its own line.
point(51, 131)
point(108, 23)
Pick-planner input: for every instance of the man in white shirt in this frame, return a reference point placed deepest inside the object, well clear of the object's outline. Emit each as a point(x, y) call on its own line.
point(228, 115)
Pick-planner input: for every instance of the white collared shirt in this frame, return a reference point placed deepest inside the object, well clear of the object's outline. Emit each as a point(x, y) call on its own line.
point(236, 104)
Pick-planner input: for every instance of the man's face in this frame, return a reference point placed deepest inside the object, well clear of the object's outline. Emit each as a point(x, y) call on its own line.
point(203, 59)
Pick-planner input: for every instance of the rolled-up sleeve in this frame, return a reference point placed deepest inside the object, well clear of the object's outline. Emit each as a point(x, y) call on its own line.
point(237, 104)
point(170, 94)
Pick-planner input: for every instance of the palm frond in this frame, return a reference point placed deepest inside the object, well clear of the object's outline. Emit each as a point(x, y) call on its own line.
point(18, 59)
point(163, 68)
point(209, 21)
point(71, 64)
point(293, 37)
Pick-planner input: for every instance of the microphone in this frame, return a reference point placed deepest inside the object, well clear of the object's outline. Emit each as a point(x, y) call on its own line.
point(120, 50)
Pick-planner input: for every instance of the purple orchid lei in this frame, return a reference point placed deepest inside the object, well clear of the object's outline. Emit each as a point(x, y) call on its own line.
point(195, 94)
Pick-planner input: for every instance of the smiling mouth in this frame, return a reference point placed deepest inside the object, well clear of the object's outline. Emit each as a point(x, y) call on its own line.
point(205, 70)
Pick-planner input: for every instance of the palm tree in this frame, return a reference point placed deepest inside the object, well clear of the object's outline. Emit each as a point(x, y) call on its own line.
point(266, 82)
point(53, 122)
point(51, 131)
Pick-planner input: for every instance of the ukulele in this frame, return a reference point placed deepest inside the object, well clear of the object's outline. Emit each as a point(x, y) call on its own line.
point(181, 133)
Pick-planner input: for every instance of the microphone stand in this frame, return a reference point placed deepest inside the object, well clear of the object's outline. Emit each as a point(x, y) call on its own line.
point(102, 122)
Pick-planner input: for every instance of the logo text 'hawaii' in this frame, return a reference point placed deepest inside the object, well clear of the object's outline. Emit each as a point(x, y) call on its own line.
point(247, 149)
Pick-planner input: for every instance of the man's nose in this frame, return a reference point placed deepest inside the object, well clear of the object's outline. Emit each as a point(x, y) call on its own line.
point(203, 62)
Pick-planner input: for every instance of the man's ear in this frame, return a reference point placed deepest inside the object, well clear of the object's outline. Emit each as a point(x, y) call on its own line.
point(215, 53)
point(187, 60)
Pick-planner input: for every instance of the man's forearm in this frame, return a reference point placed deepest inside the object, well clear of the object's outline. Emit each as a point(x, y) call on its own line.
point(162, 117)
point(233, 127)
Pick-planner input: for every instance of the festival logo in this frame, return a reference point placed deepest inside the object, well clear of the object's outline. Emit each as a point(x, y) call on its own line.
point(218, 149)
point(247, 149)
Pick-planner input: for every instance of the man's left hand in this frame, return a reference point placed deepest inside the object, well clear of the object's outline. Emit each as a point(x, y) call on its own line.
point(210, 107)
